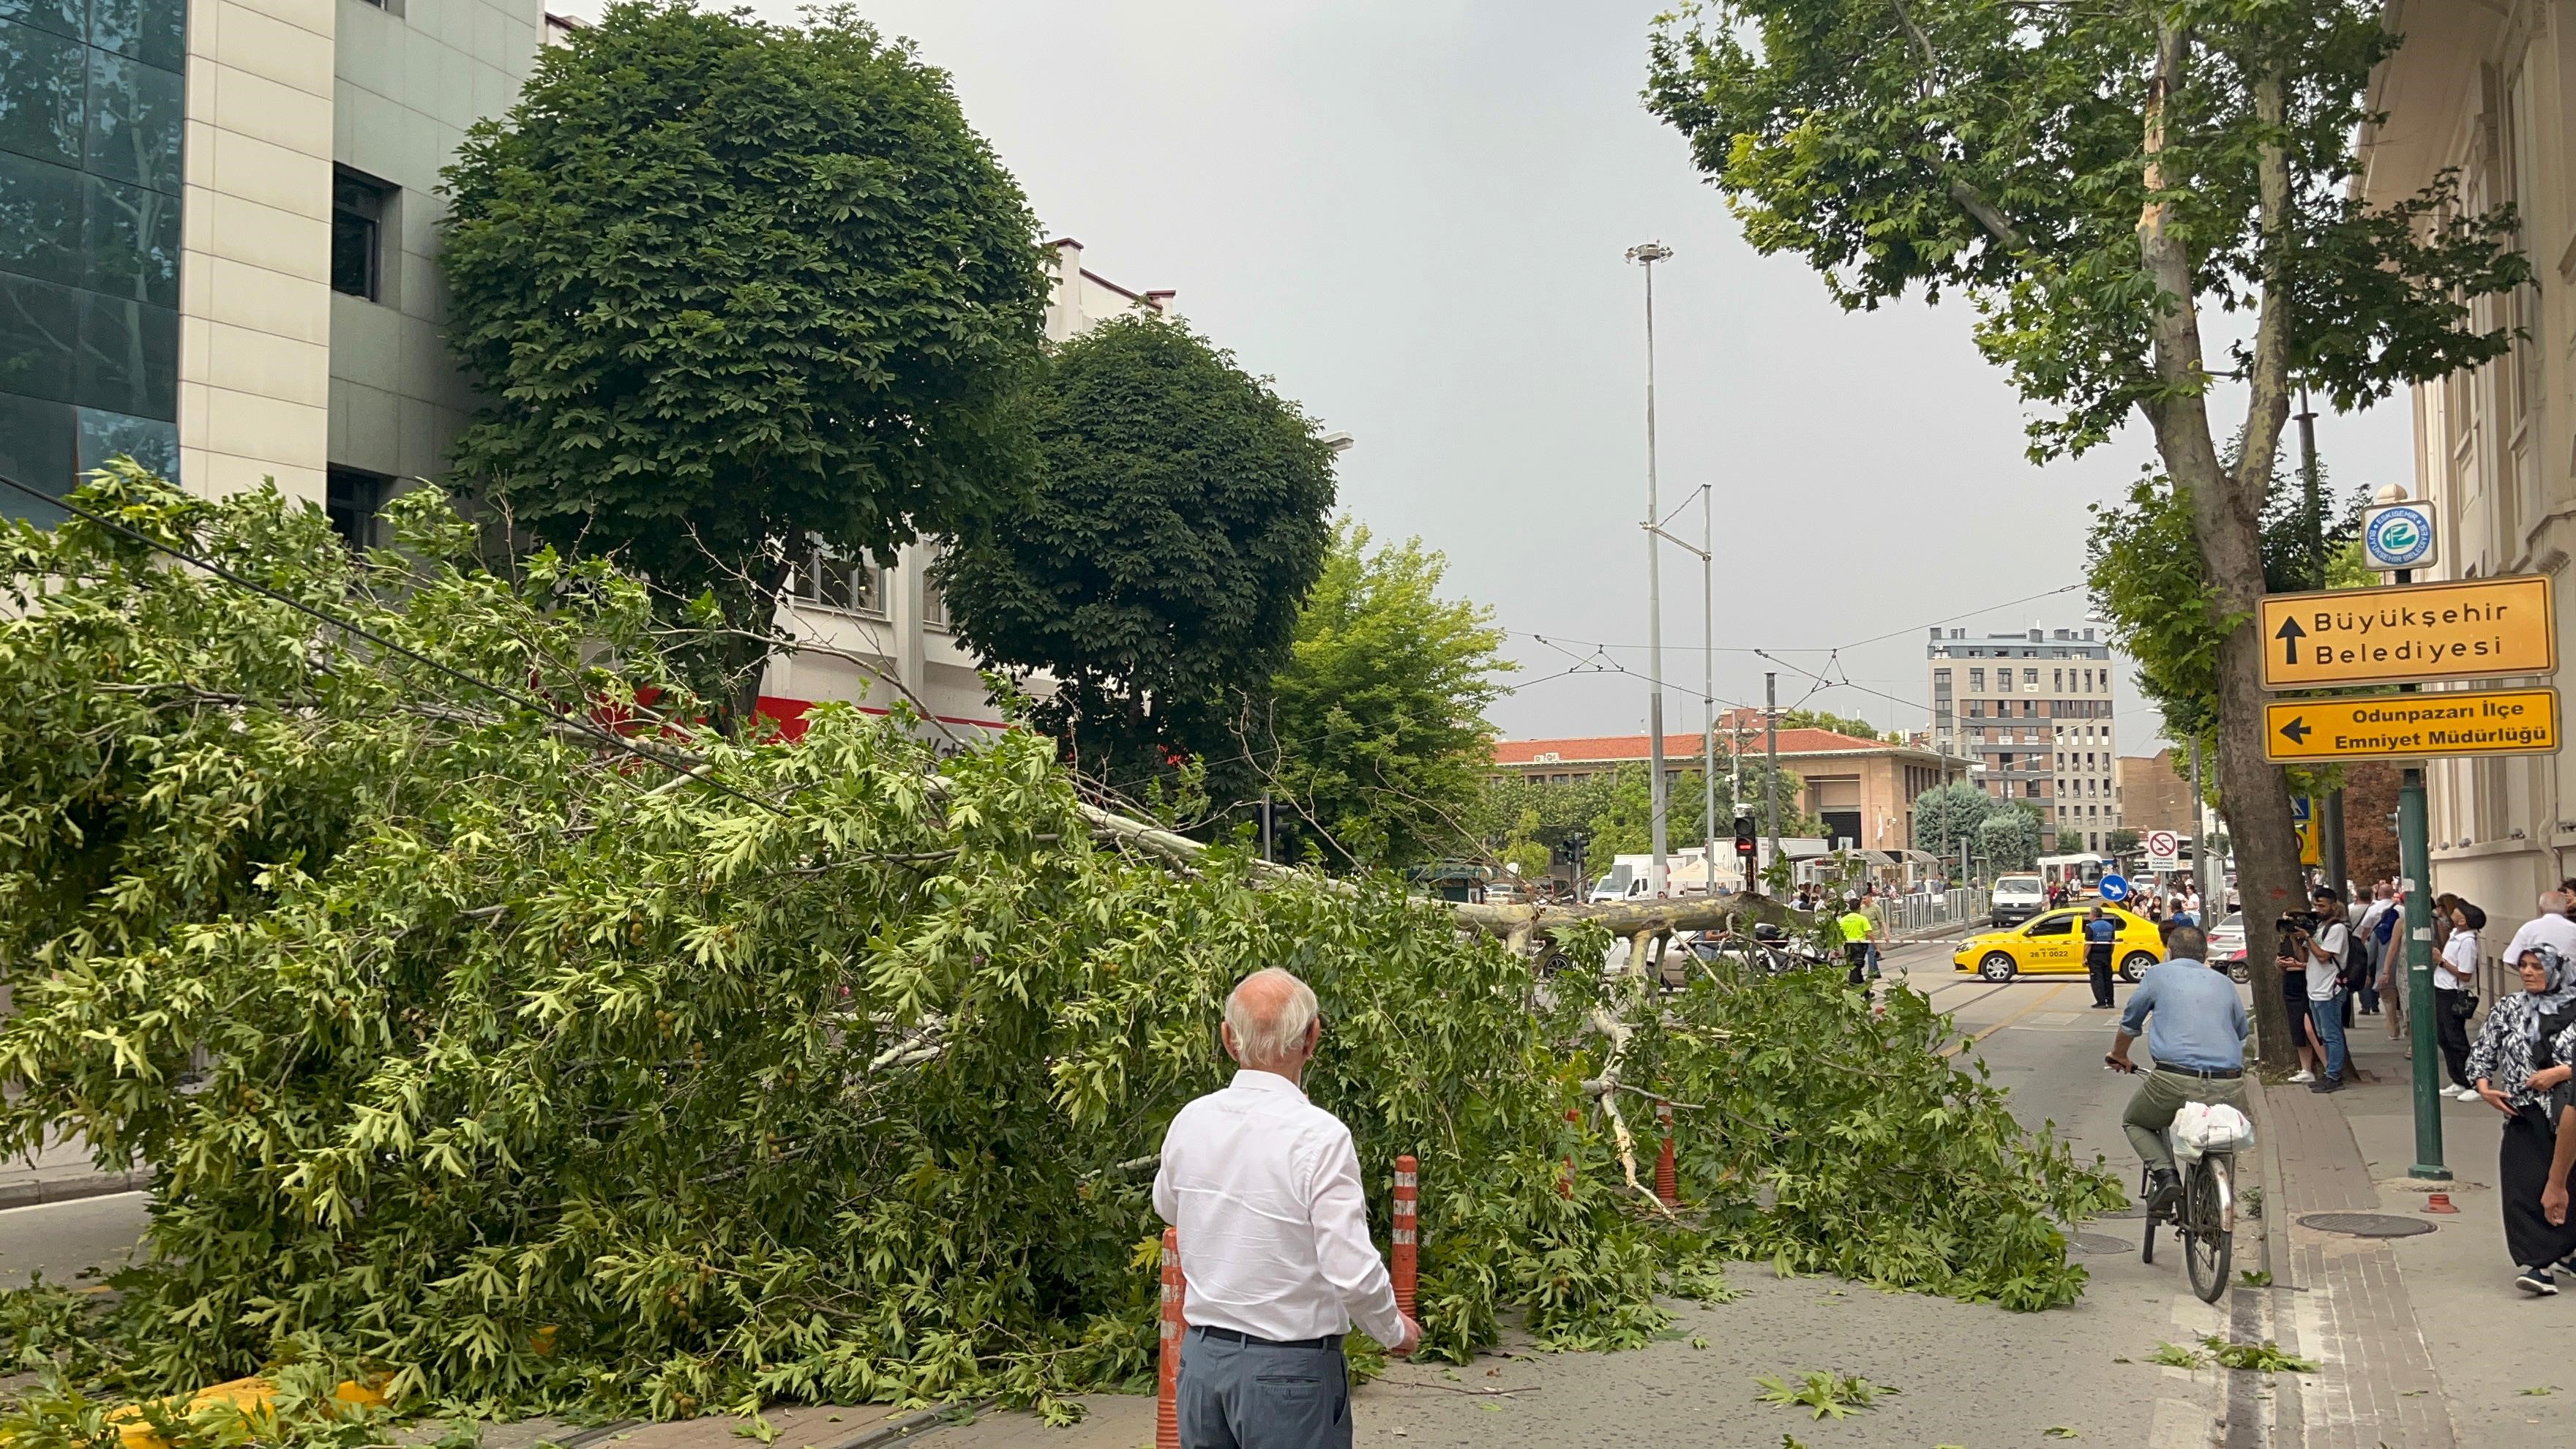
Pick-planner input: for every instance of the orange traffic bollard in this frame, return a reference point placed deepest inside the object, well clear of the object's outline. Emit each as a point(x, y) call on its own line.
point(1408, 1231)
point(1668, 1184)
point(2439, 1202)
point(1167, 1406)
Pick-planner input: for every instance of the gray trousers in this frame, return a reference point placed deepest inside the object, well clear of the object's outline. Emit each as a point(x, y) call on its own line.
point(2152, 1110)
point(1263, 1395)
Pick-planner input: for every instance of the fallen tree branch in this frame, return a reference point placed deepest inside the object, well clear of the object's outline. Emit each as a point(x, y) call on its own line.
point(1607, 1098)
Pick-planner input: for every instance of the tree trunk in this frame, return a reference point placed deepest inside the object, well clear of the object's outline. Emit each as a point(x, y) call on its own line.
point(2227, 516)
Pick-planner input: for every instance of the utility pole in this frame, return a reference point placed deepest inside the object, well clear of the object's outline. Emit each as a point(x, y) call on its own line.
point(1771, 756)
point(2330, 853)
point(1660, 790)
point(1708, 681)
point(2414, 864)
point(2211, 907)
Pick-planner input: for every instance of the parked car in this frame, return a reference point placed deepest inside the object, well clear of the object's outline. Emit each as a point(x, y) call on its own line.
point(2227, 945)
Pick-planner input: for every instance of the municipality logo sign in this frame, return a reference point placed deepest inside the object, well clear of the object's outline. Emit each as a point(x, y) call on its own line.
point(2398, 537)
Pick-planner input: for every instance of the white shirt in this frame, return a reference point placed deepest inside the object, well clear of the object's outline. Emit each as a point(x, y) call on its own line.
point(2324, 979)
point(1265, 1189)
point(2556, 932)
point(2459, 963)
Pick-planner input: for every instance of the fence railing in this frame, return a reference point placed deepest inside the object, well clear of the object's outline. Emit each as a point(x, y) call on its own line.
point(1961, 905)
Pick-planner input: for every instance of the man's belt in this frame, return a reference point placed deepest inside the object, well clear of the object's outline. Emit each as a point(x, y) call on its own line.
point(1228, 1335)
point(2212, 1074)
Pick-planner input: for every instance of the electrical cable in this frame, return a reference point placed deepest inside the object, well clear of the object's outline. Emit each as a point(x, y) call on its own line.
point(525, 701)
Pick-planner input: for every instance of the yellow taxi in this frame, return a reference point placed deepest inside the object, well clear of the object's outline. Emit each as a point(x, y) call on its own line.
point(2052, 944)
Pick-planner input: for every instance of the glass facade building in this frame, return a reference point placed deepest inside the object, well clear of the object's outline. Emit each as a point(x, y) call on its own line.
point(91, 120)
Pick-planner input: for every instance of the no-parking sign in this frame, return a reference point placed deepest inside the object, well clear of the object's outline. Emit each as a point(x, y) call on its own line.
point(2164, 850)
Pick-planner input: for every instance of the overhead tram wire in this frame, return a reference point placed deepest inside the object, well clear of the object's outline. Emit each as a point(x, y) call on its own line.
point(524, 700)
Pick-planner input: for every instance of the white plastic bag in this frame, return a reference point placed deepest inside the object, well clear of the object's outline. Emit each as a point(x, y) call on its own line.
point(2205, 1127)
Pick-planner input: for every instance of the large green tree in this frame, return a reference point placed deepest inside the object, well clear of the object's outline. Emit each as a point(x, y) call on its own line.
point(1376, 730)
point(1181, 514)
point(1948, 814)
point(2095, 177)
point(727, 287)
point(1624, 822)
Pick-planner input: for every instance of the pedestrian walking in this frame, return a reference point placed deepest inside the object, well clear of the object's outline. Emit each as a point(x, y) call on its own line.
point(2514, 1069)
point(2366, 947)
point(2455, 994)
point(1264, 1187)
point(2101, 934)
point(1874, 906)
point(2325, 950)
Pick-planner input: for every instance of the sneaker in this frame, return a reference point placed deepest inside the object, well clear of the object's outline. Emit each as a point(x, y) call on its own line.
point(2326, 1084)
point(2303, 1075)
point(2537, 1283)
point(2465, 1094)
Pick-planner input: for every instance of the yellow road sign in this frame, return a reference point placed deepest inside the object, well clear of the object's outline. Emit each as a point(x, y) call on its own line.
point(2409, 726)
point(2473, 629)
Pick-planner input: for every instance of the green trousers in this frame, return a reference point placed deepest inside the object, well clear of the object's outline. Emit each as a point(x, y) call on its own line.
point(2163, 1094)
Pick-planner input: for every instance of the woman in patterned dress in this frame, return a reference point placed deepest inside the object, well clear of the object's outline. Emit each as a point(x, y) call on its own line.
point(2514, 1064)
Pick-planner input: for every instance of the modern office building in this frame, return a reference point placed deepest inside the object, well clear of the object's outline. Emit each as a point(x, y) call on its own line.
point(2031, 711)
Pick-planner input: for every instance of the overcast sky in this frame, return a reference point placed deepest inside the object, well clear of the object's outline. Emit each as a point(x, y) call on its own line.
point(1413, 217)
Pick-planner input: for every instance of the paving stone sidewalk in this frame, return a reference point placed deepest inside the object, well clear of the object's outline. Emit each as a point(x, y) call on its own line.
point(62, 1172)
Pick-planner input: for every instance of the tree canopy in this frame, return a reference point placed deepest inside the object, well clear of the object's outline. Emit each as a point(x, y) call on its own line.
point(1181, 514)
point(1377, 723)
point(727, 286)
point(1623, 823)
point(1817, 719)
point(500, 1038)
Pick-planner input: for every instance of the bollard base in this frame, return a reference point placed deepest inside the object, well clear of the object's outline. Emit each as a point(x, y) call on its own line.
point(2429, 1172)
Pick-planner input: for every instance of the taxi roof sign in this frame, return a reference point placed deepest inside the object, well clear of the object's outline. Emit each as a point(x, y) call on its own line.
point(2411, 726)
point(2470, 629)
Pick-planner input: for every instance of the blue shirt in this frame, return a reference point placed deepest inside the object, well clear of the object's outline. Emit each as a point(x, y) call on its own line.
point(2102, 932)
point(2199, 1022)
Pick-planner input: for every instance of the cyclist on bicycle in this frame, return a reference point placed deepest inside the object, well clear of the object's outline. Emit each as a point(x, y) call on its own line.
point(2198, 1040)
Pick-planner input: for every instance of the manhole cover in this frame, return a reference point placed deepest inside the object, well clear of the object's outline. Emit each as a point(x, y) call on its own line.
point(2101, 1243)
point(2366, 1225)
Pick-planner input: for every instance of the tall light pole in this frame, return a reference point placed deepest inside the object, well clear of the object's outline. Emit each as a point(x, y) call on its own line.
point(1646, 255)
point(1706, 549)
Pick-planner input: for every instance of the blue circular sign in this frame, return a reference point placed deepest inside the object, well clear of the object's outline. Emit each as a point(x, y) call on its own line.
point(2399, 537)
point(2114, 887)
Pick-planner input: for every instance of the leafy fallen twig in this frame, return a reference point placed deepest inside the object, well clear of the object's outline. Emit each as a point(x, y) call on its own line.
point(2175, 1355)
point(1829, 1395)
point(2262, 1358)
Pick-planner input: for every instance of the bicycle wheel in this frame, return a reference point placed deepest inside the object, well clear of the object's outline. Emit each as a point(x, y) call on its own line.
point(2209, 1240)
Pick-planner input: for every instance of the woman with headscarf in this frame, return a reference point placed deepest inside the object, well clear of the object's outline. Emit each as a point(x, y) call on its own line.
point(2515, 1066)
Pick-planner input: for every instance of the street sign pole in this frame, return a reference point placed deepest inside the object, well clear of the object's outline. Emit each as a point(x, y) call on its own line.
point(2415, 862)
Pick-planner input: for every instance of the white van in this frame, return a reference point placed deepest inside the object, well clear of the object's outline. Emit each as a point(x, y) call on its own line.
point(2017, 898)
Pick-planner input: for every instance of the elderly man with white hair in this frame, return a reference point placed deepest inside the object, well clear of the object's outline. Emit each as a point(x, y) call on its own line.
point(2550, 928)
point(1265, 1189)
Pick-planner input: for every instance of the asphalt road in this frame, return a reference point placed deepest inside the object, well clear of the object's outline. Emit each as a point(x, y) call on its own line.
point(60, 1239)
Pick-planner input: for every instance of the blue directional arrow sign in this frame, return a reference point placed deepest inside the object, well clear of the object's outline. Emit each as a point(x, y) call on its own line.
point(2114, 887)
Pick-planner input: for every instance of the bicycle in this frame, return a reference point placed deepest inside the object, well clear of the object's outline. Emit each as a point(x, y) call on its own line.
point(2202, 1214)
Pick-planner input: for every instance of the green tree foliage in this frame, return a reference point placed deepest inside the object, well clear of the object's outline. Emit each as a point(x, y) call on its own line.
point(530, 1075)
point(728, 286)
point(1182, 515)
point(2095, 177)
point(1817, 719)
point(2009, 838)
point(2120, 842)
point(1946, 815)
point(1377, 724)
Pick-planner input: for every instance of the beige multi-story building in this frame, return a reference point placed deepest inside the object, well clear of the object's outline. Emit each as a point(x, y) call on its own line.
point(2031, 711)
point(2490, 89)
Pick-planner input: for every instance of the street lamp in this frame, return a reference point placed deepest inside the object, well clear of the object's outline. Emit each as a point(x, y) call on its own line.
point(1646, 255)
point(1706, 550)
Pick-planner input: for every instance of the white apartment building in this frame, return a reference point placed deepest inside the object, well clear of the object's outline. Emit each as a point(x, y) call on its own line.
point(2031, 713)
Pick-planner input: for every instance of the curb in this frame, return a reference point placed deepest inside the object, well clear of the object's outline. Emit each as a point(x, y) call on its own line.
point(71, 1189)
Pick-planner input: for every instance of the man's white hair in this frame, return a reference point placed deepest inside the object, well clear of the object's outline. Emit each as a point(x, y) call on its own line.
point(1269, 1013)
point(2553, 903)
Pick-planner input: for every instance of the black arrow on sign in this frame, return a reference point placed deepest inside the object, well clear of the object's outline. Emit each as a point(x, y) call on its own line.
point(2290, 634)
point(2297, 730)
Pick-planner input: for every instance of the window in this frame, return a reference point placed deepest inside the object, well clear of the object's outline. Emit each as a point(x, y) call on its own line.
point(1977, 679)
point(2031, 789)
point(842, 579)
point(2056, 681)
point(2030, 680)
point(2051, 926)
point(352, 499)
point(358, 208)
point(1941, 678)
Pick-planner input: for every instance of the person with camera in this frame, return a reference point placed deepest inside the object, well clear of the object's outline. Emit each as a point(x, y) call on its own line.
point(2455, 991)
point(2517, 1067)
point(2314, 946)
point(2195, 1028)
point(2296, 933)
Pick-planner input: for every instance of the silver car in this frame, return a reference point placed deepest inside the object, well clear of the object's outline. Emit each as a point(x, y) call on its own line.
point(2227, 944)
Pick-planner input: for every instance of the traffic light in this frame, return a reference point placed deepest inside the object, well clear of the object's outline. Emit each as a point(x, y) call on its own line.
point(1744, 836)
